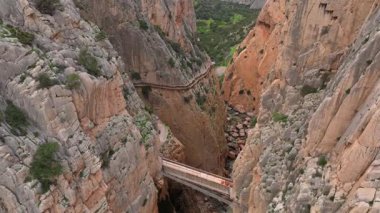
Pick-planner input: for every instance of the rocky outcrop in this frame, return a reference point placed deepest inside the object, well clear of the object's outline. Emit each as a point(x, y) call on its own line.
point(160, 36)
point(311, 69)
point(108, 147)
point(156, 40)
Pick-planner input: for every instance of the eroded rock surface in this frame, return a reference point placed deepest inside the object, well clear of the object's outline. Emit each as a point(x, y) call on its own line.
point(110, 162)
point(157, 41)
point(311, 69)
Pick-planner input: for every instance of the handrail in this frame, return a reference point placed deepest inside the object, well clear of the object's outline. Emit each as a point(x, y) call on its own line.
point(198, 170)
point(175, 87)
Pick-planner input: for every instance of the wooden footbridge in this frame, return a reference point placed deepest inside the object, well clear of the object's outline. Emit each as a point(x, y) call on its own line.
point(207, 183)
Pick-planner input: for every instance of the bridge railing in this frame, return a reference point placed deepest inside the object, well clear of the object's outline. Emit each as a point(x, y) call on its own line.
point(207, 180)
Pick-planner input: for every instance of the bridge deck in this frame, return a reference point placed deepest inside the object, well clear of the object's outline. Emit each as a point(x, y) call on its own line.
point(201, 178)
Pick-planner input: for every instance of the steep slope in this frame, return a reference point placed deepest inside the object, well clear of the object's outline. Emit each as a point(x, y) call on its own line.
point(69, 87)
point(312, 71)
point(156, 40)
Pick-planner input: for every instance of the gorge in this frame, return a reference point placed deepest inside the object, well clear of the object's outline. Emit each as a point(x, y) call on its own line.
point(95, 94)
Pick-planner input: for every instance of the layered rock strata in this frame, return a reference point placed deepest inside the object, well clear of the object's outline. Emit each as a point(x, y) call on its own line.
point(108, 147)
point(312, 72)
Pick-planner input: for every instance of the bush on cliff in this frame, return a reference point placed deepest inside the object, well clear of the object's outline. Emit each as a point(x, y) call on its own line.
point(47, 6)
point(45, 81)
point(73, 81)
point(45, 166)
point(89, 62)
point(146, 91)
point(100, 35)
point(22, 36)
point(143, 25)
point(144, 124)
point(279, 117)
point(322, 161)
point(16, 119)
point(306, 89)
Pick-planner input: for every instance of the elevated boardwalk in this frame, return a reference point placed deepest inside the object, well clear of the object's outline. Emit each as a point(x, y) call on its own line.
point(187, 86)
point(207, 183)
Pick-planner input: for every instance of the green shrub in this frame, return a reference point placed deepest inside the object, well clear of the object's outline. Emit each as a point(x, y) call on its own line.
point(106, 158)
point(144, 124)
point(146, 91)
point(159, 31)
point(278, 117)
point(135, 75)
point(16, 119)
point(100, 36)
point(47, 6)
point(45, 81)
point(322, 161)
point(306, 89)
point(175, 46)
point(1, 117)
point(253, 122)
point(89, 62)
point(23, 37)
point(348, 91)
point(171, 62)
point(22, 78)
point(45, 167)
point(200, 99)
point(73, 81)
point(143, 25)
point(126, 93)
point(187, 99)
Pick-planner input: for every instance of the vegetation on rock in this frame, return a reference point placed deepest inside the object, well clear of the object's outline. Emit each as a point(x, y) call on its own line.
point(146, 91)
point(253, 122)
point(322, 161)
point(306, 89)
point(89, 62)
point(200, 99)
point(143, 25)
point(16, 118)
point(100, 36)
point(279, 117)
point(106, 157)
point(144, 124)
point(22, 36)
point(47, 6)
point(45, 167)
point(135, 75)
point(45, 81)
point(73, 81)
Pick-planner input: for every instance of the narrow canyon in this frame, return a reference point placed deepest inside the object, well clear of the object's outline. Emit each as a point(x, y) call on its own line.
point(189, 106)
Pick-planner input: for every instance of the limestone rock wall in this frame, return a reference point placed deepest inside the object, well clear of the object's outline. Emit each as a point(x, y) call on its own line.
point(312, 67)
point(150, 33)
point(157, 41)
point(109, 164)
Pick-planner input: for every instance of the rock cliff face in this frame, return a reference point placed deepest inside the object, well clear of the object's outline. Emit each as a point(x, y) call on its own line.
point(108, 146)
point(254, 4)
point(156, 40)
point(311, 69)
